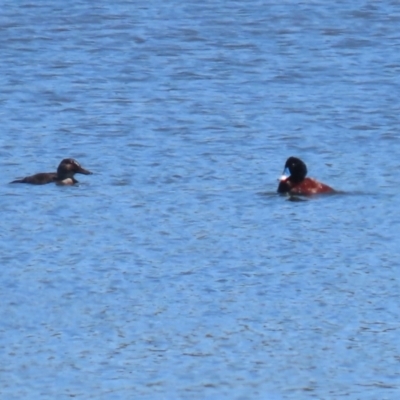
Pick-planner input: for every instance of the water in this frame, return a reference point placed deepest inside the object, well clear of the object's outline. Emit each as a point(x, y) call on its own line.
point(175, 271)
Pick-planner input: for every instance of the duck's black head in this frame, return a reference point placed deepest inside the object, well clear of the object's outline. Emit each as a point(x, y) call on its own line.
point(297, 169)
point(69, 167)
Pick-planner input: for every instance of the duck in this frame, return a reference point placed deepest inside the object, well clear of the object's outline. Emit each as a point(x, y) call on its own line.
point(297, 183)
point(64, 175)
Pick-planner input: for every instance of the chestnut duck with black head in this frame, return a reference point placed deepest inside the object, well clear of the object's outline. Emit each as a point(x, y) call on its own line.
point(297, 183)
point(64, 175)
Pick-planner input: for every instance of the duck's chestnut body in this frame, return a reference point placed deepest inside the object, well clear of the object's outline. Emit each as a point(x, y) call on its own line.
point(297, 183)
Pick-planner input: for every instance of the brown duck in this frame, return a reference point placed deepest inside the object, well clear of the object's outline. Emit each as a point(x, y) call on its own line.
point(64, 175)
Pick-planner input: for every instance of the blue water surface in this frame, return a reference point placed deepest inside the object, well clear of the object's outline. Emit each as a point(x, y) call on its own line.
point(175, 271)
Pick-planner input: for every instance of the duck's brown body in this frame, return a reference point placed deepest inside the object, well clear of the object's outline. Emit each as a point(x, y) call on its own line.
point(64, 175)
point(297, 183)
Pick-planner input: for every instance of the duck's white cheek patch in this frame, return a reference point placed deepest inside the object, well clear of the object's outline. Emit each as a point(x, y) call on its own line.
point(283, 178)
point(67, 181)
